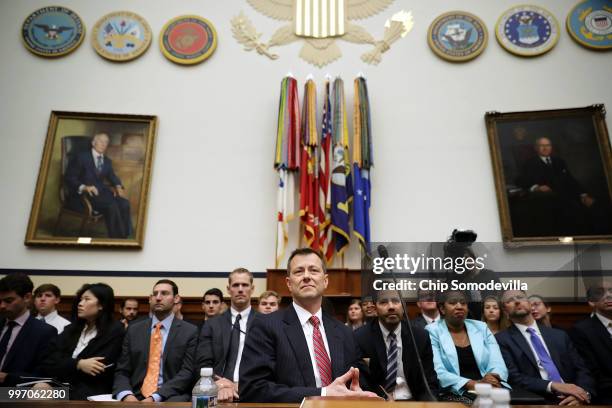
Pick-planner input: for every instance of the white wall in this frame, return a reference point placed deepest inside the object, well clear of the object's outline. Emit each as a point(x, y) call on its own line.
point(212, 206)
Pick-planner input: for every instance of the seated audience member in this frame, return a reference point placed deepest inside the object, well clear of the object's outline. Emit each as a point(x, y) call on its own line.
point(221, 340)
point(157, 357)
point(492, 314)
point(393, 366)
point(465, 351)
point(46, 298)
point(369, 308)
point(354, 315)
point(540, 310)
point(211, 303)
point(541, 359)
point(176, 309)
point(300, 351)
point(86, 353)
point(23, 338)
point(128, 311)
point(593, 339)
point(426, 302)
point(268, 302)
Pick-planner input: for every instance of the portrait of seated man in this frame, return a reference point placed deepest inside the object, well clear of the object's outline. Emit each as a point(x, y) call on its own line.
point(558, 204)
point(91, 172)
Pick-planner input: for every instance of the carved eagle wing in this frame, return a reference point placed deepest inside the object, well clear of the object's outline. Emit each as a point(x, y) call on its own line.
point(359, 9)
point(276, 9)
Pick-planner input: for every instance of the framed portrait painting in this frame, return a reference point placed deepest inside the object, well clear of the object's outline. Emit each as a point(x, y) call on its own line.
point(93, 182)
point(553, 175)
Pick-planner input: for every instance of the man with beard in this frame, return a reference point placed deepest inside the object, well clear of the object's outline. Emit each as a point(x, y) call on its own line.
point(393, 366)
point(128, 311)
point(156, 362)
point(593, 339)
point(222, 338)
point(541, 359)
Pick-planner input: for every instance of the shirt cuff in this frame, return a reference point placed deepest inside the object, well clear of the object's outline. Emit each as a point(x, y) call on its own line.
point(121, 395)
point(324, 391)
point(533, 188)
point(156, 397)
point(549, 387)
point(81, 188)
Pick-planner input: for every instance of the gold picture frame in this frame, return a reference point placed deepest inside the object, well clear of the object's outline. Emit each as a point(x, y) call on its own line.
point(553, 176)
point(84, 200)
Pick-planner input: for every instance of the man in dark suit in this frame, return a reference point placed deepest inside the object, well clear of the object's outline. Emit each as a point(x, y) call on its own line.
point(541, 359)
point(157, 357)
point(393, 367)
point(593, 339)
point(559, 200)
point(23, 338)
point(222, 338)
point(88, 173)
point(300, 351)
point(426, 302)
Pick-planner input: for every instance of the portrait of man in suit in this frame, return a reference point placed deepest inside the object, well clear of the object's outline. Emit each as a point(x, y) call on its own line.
point(157, 356)
point(300, 351)
point(91, 172)
point(222, 338)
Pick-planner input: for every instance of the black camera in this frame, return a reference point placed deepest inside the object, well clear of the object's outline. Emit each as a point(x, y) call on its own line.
point(459, 242)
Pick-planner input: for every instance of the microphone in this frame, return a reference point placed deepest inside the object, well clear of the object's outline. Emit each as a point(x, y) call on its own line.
point(383, 253)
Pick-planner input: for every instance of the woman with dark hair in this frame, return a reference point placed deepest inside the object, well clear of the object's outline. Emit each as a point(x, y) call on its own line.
point(354, 315)
point(86, 352)
point(540, 310)
point(465, 351)
point(492, 314)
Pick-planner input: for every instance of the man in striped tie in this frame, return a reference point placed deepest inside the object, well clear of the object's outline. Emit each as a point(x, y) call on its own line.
point(300, 351)
point(386, 341)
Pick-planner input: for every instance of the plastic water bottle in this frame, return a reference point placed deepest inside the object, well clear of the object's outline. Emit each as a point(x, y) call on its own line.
point(204, 394)
point(483, 399)
point(500, 397)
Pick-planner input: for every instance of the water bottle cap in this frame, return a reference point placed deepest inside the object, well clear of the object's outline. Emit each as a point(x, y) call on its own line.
point(483, 389)
point(206, 372)
point(500, 395)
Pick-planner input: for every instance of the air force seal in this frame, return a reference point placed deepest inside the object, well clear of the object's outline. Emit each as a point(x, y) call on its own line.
point(590, 24)
point(52, 31)
point(527, 31)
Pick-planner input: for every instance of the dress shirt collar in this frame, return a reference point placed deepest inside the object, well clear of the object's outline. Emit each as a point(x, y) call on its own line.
point(386, 332)
point(96, 154)
point(523, 328)
point(244, 313)
point(304, 315)
point(429, 320)
point(166, 323)
point(21, 320)
point(545, 159)
point(603, 319)
point(48, 317)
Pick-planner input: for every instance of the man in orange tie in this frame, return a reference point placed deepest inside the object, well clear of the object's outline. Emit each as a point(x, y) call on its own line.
point(156, 362)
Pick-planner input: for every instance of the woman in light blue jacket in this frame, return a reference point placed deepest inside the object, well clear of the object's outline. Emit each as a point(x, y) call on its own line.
point(465, 351)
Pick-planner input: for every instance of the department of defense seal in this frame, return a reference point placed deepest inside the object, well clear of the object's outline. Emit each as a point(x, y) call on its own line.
point(52, 31)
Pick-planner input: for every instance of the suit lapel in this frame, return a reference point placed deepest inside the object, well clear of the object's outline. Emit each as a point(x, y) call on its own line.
point(379, 345)
point(520, 341)
point(226, 330)
point(336, 345)
point(19, 340)
point(476, 341)
point(252, 314)
point(172, 333)
point(448, 348)
point(601, 332)
point(297, 341)
point(146, 338)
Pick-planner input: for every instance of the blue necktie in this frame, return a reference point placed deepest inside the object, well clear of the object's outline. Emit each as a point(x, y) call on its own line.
point(547, 363)
point(391, 377)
